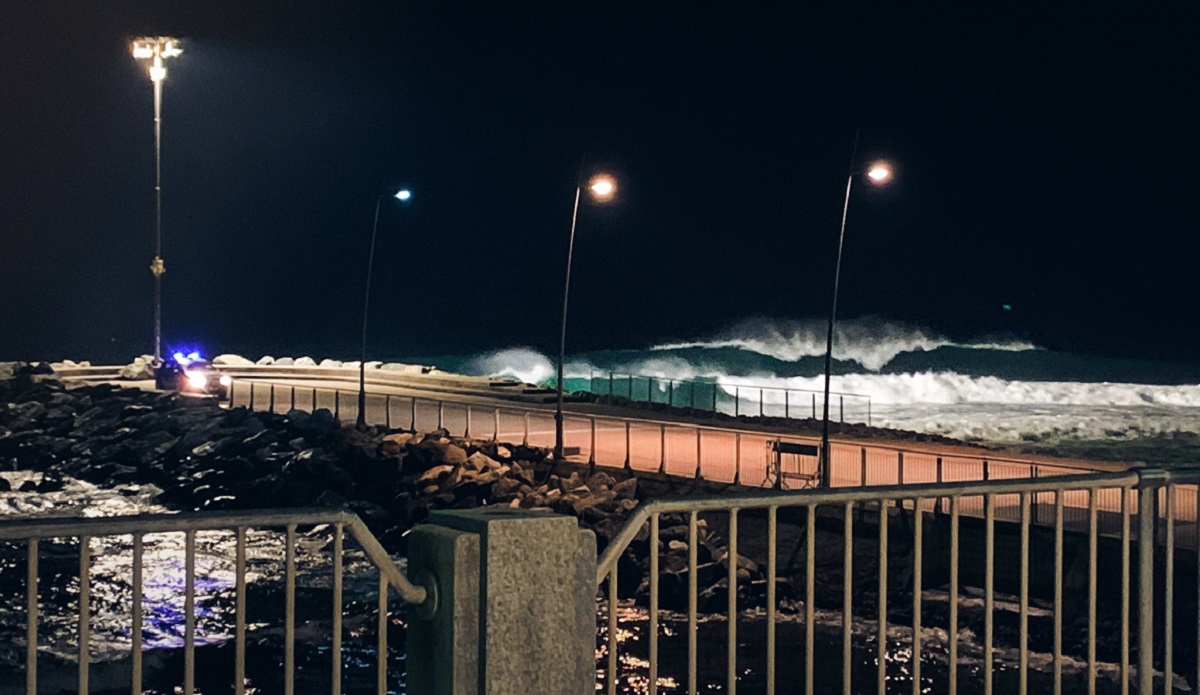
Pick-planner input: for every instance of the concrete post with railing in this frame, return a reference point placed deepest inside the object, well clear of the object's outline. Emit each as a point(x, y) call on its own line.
point(515, 610)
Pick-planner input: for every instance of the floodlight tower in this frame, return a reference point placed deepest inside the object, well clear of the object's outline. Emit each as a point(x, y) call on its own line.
point(156, 49)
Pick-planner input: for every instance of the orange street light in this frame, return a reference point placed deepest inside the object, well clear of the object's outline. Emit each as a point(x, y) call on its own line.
point(878, 173)
point(602, 188)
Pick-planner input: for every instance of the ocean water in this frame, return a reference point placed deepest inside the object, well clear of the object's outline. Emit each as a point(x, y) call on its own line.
point(990, 390)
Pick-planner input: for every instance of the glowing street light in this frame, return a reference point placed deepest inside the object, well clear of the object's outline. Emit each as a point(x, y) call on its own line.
point(403, 195)
point(156, 49)
point(878, 173)
point(602, 188)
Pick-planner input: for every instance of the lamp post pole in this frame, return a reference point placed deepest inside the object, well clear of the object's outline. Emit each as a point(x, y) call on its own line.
point(362, 362)
point(837, 275)
point(562, 340)
point(602, 188)
point(877, 173)
point(361, 421)
point(156, 49)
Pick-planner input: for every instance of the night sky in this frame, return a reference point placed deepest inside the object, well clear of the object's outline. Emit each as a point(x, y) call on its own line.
point(1045, 159)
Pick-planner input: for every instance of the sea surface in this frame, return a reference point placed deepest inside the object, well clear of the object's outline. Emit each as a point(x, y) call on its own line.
point(991, 390)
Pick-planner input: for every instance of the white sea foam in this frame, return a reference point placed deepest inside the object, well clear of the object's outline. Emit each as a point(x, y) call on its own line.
point(869, 341)
point(525, 364)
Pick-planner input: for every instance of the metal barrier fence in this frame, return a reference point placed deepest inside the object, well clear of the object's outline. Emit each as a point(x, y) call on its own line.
point(901, 621)
point(713, 454)
point(143, 553)
point(730, 399)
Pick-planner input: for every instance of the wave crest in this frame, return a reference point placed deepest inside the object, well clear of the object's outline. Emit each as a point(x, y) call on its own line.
point(870, 341)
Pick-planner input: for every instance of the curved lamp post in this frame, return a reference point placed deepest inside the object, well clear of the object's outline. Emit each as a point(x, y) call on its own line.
point(403, 195)
point(156, 49)
point(601, 188)
point(878, 173)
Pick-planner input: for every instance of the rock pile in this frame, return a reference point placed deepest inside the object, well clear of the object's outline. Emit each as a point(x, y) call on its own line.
point(204, 457)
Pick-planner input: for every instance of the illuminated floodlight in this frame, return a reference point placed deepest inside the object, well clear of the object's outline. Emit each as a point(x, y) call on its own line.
point(226, 380)
point(879, 172)
point(403, 195)
point(603, 187)
point(142, 51)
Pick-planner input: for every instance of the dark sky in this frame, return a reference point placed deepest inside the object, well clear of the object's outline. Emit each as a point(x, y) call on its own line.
point(1046, 159)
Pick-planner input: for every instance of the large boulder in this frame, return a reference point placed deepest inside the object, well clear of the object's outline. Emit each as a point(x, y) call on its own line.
point(138, 369)
point(231, 361)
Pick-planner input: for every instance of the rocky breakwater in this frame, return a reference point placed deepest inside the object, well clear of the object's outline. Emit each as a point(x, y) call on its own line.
point(196, 455)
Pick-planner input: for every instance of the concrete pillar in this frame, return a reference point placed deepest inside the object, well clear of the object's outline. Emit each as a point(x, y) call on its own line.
point(515, 611)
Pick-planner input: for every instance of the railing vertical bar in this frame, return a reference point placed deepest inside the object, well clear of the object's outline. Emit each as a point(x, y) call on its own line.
point(1145, 584)
point(412, 425)
point(289, 625)
point(952, 659)
point(612, 631)
point(525, 435)
point(918, 561)
point(1126, 581)
point(293, 402)
point(847, 590)
point(731, 560)
point(1169, 596)
point(1058, 589)
point(496, 428)
point(31, 616)
point(382, 637)
point(693, 532)
point(467, 428)
point(1023, 625)
point(699, 451)
point(591, 445)
point(135, 630)
point(628, 447)
point(387, 411)
point(336, 648)
point(989, 566)
point(85, 610)
point(772, 537)
point(239, 659)
point(441, 414)
point(662, 449)
point(881, 647)
point(189, 612)
point(810, 555)
point(1091, 623)
point(653, 628)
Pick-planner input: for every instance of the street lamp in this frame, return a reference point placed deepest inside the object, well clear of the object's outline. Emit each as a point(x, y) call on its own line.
point(156, 49)
point(602, 188)
point(878, 173)
point(403, 195)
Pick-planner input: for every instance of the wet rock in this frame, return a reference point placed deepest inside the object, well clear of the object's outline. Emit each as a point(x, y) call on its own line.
point(5, 486)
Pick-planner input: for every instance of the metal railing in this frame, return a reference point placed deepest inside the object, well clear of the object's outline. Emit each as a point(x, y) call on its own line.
point(144, 532)
point(714, 454)
point(729, 399)
point(902, 615)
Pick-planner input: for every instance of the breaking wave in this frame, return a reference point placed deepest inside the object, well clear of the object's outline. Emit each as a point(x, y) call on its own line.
point(870, 341)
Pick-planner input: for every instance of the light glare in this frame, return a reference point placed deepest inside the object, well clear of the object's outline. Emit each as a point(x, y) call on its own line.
point(158, 73)
point(603, 187)
point(880, 172)
point(197, 380)
point(403, 194)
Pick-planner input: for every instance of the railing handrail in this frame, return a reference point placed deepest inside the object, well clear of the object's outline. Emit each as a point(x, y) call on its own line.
point(815, 497)
point(1066, 465)
point(54, 527)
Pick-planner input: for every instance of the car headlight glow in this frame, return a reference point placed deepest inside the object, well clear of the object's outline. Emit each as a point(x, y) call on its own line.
point(226, 380)
point(197, 380)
